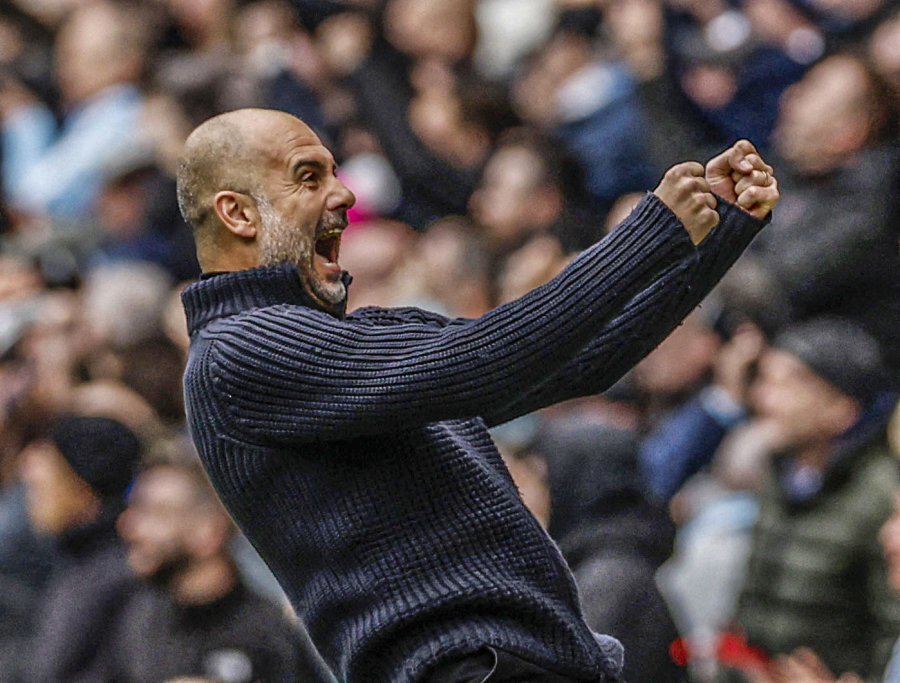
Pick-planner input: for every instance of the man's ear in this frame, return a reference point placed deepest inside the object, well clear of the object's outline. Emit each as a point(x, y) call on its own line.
point(238, 213)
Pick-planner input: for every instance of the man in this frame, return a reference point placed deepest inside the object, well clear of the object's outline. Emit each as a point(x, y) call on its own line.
point(99, 56)
point(196, 617)
point(75, 482)
point(816, 576)
point(353, 450)
point(832, 249)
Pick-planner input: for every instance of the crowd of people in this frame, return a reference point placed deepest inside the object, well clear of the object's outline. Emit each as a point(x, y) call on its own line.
point(728, 508)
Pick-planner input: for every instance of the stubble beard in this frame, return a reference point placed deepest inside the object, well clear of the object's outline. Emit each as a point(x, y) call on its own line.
point(281, 242)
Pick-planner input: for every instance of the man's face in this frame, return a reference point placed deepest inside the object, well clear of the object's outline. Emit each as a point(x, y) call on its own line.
point(503, 203)
point(803, 407)
point(157, 523)
point(816, 112)
point(57, 498)
point(889, 536)
point(304, 210)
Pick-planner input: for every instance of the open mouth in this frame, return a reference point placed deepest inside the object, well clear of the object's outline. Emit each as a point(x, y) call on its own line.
point(328, 248)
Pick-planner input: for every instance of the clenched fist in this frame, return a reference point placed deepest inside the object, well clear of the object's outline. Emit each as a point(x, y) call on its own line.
point(685, 189)
point(740, 176)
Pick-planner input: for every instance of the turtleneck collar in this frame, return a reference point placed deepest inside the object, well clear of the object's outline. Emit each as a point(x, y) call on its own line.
point(219, 295)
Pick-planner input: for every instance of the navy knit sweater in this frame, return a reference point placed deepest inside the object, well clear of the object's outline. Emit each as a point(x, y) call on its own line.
point(353, 450)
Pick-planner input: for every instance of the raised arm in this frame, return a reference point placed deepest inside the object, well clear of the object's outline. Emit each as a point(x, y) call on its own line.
point(655, 311)
point(291, 375)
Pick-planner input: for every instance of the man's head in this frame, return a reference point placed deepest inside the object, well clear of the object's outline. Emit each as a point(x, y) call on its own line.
point(100, 45)
point(889, 536)
point(816, 380)
point(173, 523)
point(84, 464)
point(259, 189)
point(838, 108)
point(520, 191)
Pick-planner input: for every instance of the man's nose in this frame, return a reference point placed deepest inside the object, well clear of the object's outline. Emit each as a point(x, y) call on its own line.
point(340, 197)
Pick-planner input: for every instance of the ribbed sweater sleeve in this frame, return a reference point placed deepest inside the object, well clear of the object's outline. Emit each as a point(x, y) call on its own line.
point(289, 374)
point(646, 320)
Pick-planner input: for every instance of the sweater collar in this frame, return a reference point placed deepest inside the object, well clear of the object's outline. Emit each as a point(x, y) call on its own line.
point(225, 294)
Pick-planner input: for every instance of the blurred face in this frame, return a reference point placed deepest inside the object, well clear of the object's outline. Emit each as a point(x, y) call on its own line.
point(304, 210)
point(804, 408)
point(158, 522)
point(439, 28)
point(57, 498)
point(884, 50)
point(818, 113)
point(680, 362)
point(87, 56)
point(502, 203)
point(889, 536)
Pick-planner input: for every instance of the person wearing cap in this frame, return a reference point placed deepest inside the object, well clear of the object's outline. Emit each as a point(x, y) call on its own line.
point(75, 481)
point(816, 577)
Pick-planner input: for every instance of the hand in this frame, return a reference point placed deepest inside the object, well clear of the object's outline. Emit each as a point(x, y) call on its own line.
point(804, 666)
point(740, 176)
point(684, 190)
point(757, 192)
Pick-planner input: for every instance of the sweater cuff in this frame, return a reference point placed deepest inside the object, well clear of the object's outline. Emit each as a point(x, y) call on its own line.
point(652, 218)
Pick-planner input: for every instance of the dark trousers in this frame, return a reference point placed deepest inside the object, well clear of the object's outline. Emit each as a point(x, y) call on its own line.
point(490, 665)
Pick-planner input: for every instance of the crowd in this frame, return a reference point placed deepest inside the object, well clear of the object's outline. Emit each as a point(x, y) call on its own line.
point(730, 509)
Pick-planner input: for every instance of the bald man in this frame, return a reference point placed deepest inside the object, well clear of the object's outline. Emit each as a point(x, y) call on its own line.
point(352, 449)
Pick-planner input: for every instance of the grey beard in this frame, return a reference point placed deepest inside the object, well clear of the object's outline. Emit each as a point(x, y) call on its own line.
point(281, 242)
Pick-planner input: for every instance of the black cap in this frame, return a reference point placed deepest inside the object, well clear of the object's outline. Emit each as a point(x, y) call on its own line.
point(102, 451)
point(839, 352)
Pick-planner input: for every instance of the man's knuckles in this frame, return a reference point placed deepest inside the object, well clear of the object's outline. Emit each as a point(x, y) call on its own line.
point(683, 171)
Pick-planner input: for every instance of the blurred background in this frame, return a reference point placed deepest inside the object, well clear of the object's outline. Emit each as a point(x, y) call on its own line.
point(727, 507)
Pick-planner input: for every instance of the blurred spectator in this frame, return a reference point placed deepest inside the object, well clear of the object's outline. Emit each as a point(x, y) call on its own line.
point(675, 371)
point(137, 218)
point(733, 76)
point(530, 188)
point(674, 130)
point(75, 481)
point(99, 56)
point(432, 115)
point(804, 666)
point(589, 103)
point(376, 253)
point(453, 269)
point(816, 577)
point(832, 247)
point(884, 53)
point(196, 617)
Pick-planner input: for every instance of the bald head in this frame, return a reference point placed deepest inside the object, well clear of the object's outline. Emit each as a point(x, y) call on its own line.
point(218, 155)
point(227, 152)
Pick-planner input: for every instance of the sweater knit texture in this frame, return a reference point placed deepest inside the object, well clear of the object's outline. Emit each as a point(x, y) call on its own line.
point(353, 451)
